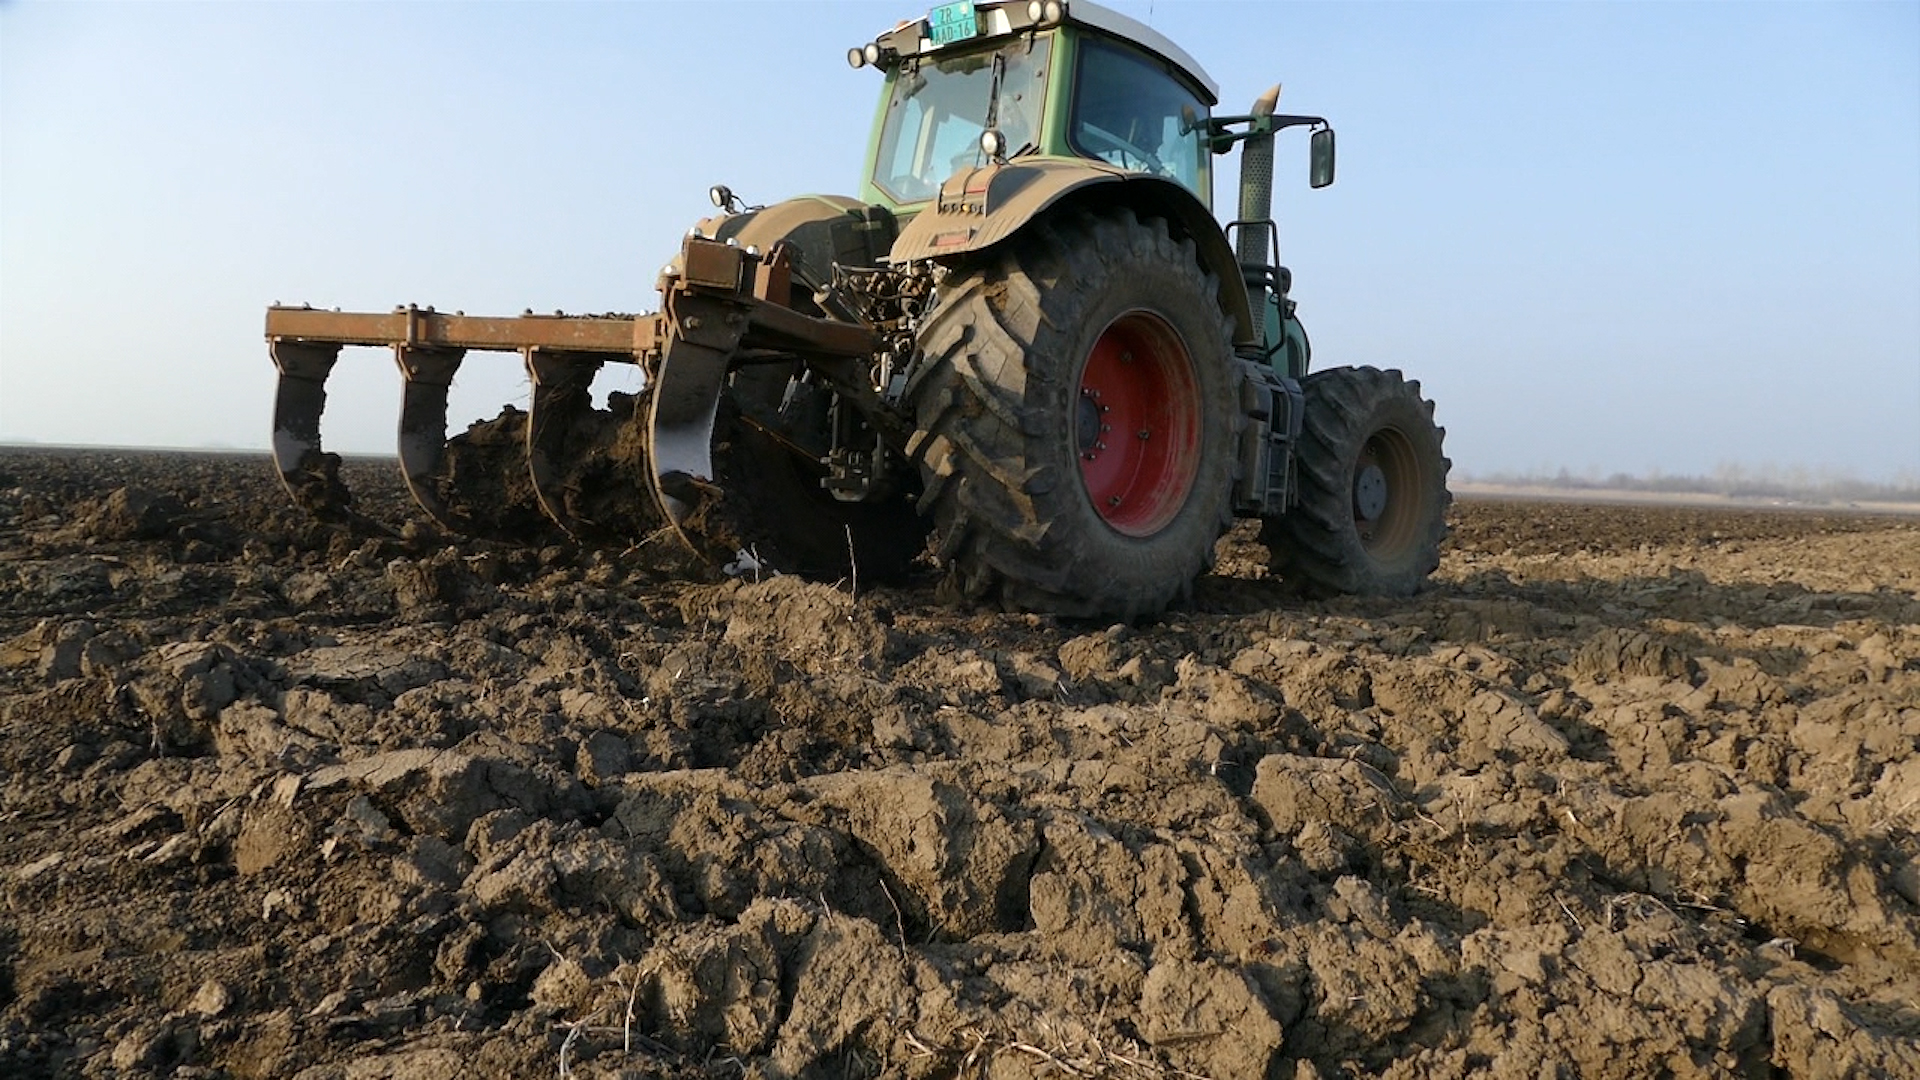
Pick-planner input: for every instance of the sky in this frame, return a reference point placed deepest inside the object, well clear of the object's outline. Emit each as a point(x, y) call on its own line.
point(1650, 238)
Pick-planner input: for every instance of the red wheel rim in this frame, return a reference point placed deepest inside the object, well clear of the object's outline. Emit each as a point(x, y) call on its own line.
point(1137, 424)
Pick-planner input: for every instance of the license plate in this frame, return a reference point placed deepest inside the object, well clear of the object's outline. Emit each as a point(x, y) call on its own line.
point(953, 22)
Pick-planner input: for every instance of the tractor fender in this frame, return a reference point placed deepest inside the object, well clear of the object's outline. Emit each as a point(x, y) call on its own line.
point(982, 207)
point(822, 229)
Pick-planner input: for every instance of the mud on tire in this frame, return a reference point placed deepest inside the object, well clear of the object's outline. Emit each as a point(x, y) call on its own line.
point(1077, 418)
point(1373, 497)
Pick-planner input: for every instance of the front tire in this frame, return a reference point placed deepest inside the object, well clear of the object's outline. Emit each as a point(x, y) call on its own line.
point(1078, 414)
point(1373, 499)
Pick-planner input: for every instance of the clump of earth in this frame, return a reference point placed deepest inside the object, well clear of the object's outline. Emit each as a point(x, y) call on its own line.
point(1627, 792)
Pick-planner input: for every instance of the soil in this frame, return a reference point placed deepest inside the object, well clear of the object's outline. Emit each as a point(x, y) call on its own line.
point(1629, 791)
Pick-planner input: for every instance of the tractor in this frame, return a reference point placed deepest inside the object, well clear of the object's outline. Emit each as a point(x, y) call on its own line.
point(1028, 350)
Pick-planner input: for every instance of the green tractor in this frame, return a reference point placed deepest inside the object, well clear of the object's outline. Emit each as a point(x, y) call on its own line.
point(1028, 346)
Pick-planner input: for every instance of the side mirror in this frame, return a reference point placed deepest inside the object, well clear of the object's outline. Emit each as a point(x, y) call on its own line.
point(1320, 157)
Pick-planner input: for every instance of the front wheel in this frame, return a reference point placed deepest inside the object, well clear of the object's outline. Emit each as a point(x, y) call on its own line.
point(1078, 413)
point(1373, 499)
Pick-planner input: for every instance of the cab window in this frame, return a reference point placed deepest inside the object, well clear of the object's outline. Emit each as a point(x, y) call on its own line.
point(937, 108)
point(1130, 111)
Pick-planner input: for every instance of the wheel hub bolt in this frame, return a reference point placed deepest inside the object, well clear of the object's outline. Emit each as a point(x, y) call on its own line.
point(1370, 493)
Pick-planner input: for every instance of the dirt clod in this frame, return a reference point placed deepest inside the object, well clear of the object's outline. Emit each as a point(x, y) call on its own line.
point(1626, 792)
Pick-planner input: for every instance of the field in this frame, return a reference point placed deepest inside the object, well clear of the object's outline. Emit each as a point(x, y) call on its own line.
point(1631, 791)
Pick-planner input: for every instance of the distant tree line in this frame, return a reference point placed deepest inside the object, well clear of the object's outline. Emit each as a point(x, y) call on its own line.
point(1730, 481)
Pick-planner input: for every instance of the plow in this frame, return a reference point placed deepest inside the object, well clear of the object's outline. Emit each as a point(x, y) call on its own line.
point(611, 475)
point(1028, 354)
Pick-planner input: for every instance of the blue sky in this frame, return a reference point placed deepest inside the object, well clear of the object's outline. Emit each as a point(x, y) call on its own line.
point(1606, 237)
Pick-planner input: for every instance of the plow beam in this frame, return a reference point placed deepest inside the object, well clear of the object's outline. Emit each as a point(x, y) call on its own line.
point(618, 336)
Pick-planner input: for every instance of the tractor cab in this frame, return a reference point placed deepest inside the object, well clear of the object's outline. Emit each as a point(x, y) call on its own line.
point(974, 83)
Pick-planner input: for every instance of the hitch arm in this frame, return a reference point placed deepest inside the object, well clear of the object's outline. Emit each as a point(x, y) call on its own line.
point(723, 301)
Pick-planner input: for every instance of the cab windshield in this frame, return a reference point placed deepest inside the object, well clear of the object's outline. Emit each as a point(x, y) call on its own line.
point(938, 108)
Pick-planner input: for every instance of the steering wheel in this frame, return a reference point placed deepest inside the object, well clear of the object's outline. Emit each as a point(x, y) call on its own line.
point(1141, 159)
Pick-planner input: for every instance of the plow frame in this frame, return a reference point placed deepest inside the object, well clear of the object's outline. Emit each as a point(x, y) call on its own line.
point(721, 305)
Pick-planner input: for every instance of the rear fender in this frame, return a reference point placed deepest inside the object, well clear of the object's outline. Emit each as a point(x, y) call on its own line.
point(979, 208)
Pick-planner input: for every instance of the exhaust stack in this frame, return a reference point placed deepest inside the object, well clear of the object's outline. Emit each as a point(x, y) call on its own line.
point(1254, 242)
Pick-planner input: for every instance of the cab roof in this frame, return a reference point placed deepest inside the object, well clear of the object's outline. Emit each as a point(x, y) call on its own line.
point(914, 38)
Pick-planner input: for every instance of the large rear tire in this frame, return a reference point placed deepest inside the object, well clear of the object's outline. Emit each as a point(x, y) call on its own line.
point(1078, 411)
point(1373, 496)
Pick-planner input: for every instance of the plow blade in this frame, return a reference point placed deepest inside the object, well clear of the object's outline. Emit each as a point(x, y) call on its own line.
point(562, 406)
point(686, 399)
point(311, 476)
point(428, 374)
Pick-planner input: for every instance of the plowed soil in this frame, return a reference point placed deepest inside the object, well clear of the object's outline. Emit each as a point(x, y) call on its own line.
point(1628, 792)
